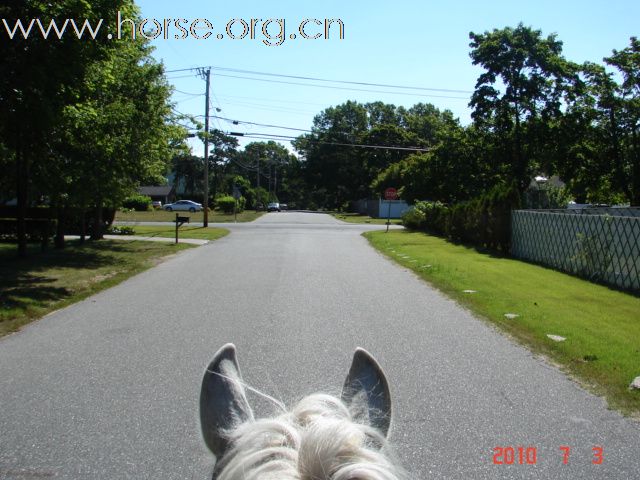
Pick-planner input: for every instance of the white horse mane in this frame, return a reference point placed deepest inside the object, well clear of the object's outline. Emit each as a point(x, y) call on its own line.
point(321, 438)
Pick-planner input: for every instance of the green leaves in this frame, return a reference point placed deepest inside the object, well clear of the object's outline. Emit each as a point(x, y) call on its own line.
point(520, 95)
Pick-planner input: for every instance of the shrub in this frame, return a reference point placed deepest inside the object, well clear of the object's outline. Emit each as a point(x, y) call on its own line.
point(121, 230)
point(140, 203)
point(424, 215)
point(414, 218)
point(227, 203)
point(484, 221)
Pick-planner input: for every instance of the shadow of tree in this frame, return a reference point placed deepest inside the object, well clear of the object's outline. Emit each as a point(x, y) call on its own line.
point(25, 283)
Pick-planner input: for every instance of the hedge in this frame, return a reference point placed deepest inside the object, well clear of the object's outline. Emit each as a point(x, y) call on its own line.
point(140, 203)
point(228, 203)
point(484, 221)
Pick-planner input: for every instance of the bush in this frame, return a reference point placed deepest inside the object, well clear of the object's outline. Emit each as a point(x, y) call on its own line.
point(227, 203)
point(484, 221)
point(121, 230)
point(414, 218)
point(140, 203)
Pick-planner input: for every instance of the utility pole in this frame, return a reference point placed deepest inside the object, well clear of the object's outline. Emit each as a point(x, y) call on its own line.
point(258, 184)
point(275, 180)
point(205, 203)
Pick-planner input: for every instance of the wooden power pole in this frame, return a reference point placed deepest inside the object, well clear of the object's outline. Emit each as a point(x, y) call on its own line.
point(205, 202)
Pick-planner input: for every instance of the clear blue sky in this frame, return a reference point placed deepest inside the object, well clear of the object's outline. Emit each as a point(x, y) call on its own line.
point(403, 42)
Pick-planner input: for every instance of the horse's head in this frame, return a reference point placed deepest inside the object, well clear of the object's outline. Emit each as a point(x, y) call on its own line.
point(322, 437)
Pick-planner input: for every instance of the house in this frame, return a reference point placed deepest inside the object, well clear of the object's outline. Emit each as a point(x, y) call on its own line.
point(164, 194)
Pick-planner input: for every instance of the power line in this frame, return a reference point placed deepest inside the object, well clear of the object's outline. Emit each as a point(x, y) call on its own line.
point(267, 136)
point(182, 76)
point(317, 79)
point(262, 124)
point(340, 88)
point(188, 93)
point(273, 108)
point(273, 100)
point(236, 122)
point(183, 70)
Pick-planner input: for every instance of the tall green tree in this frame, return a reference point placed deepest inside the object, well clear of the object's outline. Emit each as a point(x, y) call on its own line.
point(223, 149)
point(589, 157)
point(627, 62)
point(118, 129)
point(333, 169)
point(39, 78)
point(188, 174)
point(519, 95)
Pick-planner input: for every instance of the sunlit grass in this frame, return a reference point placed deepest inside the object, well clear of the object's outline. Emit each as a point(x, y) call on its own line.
point(601, 325)
point(184, 232)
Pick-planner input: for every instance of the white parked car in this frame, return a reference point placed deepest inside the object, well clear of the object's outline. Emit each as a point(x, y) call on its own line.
point(183, 206)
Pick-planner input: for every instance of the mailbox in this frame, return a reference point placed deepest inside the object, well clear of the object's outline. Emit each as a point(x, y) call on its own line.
point(179, 222)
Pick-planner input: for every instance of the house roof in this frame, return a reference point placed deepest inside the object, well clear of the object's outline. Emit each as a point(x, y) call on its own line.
point(160, 191)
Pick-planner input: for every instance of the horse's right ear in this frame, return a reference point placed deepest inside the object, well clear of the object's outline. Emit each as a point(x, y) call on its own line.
point(366, 392)
point(223, 403)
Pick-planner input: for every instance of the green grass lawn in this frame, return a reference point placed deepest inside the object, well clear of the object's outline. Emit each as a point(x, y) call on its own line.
point(44, 282)
point(197, 217)
point(601, 325)
point(357, 218)
point(185, 232)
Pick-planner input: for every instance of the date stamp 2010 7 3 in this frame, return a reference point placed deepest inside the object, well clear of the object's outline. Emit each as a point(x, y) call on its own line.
point(519, 455)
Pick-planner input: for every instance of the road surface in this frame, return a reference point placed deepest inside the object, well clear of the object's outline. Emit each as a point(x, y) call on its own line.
point(108, 388)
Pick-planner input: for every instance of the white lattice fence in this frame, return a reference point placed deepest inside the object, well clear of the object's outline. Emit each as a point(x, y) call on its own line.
point(599, 247)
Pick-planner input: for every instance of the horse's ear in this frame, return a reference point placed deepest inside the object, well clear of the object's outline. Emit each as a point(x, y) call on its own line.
point(223, 403)
point(366, 392)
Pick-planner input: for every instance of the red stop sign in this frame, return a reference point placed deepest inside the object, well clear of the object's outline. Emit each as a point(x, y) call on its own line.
point(390, 194)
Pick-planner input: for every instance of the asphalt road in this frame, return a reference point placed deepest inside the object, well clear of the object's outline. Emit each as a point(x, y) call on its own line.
point(108, 388)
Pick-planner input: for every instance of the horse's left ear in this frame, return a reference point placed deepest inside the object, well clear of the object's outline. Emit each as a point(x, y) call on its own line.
point(223, 403)
point(366, 392)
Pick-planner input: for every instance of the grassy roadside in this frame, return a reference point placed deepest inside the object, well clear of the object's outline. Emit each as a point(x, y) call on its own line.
point(357, 218)
point(601, 325)
point(197, 217)
point(32, 287)
point(185, 232)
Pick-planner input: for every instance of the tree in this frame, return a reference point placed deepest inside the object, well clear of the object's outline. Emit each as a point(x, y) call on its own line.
point(519, 95)
point(188, 173)
point(448, 172)
point(39, 78)
point(270, 159)
point(627, 61)
point(224, 148)
point(118, 130)
point(333, 169)
point(589, 157)
point(599, 145)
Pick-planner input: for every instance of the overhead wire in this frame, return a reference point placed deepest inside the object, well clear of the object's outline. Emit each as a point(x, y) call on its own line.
point(188, 93)
point(326, 80)
point(278, 100)
point(315, 79)
point(355, 145)
point(384, 85)
point(263, 124)
point(290, 111)
point(340, 88)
